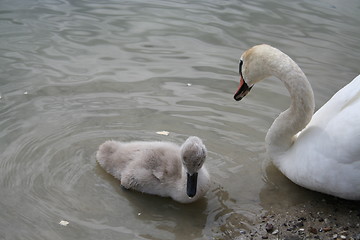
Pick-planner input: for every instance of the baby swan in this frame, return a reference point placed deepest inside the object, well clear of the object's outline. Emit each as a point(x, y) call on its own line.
point(160, 168)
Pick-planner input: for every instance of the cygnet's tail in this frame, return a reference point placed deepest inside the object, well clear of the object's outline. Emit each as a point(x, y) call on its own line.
point(105, 155)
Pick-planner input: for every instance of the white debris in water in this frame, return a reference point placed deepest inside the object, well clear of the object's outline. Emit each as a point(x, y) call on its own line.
point(63, 223)
point(26, 93)
point(165, 133)
point(139, 213)
point(188, 84)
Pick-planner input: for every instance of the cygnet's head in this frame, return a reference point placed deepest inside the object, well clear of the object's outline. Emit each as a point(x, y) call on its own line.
point(193, 154)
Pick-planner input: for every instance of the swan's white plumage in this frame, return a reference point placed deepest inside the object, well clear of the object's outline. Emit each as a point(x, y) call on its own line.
point(158, 168)
point(325, 155)
point(328, 149)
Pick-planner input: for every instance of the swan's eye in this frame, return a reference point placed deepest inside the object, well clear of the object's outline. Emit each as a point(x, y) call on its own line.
point(240, 67)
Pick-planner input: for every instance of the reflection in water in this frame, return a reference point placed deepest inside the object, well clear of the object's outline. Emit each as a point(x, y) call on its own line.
point(279, 192)
point(94, 71)
point(228, 223)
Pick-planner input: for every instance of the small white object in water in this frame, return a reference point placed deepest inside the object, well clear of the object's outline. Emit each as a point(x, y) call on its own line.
point(188, 84)
point(165, 133)
point(26, 92)
point(63, 223)
point(139, 213)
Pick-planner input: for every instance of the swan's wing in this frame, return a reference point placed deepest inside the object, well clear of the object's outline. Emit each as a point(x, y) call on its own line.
point(338, 126)
point(343, 98)
point(333, 135)
point(326, 157)
point(344, 131)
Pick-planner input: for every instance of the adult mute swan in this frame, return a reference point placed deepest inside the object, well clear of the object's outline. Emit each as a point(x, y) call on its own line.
point(320, 152)
point(160, 168)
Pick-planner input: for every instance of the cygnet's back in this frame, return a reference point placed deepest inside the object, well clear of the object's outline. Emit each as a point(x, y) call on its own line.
point(157, 167)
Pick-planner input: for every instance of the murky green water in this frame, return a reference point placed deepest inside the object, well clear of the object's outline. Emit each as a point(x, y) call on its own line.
point(76, 73)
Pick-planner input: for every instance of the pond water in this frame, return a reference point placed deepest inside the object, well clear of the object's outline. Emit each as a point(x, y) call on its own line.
point(76, 73)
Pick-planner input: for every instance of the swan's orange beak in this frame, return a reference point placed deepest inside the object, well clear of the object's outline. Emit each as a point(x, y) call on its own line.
point(242, 90)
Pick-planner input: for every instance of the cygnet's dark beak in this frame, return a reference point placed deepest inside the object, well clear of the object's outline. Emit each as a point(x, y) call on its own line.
point(242, 90)
point(191, 184)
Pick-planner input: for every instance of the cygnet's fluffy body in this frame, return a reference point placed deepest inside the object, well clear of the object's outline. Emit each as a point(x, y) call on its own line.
point(160, 168)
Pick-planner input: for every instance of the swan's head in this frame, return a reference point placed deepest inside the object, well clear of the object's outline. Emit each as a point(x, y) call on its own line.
point(193, 154)
point(254, 66)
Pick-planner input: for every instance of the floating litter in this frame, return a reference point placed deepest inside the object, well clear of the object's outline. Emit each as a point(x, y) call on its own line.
point(165, 133)
point(26, 93)
point(188, 84)
point(63, 223)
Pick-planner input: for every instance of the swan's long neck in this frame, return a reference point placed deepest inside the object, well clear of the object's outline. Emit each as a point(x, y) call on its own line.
point(281, 134)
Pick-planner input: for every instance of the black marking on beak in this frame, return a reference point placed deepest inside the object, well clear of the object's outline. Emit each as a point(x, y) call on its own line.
point(240, 67)
point(191, 184)
point(242, 90)
point(243, 87)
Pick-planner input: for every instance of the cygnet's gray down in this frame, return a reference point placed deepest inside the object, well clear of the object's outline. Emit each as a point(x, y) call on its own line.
point(160, 168)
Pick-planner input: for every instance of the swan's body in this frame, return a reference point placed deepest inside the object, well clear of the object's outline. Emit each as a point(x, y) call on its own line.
point(320, 152)
point(160, 168)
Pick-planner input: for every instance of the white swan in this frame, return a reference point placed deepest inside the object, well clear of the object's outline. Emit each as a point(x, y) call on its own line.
point(320, 152)
point(160, 168)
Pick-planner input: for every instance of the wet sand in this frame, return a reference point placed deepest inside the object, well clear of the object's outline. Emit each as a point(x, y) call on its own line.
point(326, 218)
point(329, 218)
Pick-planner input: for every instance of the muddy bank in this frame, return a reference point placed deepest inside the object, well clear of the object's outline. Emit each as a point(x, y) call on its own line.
point(326, 218)
point(329, 218)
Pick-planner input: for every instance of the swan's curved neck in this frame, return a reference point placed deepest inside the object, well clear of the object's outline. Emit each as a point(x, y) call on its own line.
point(281, 134)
